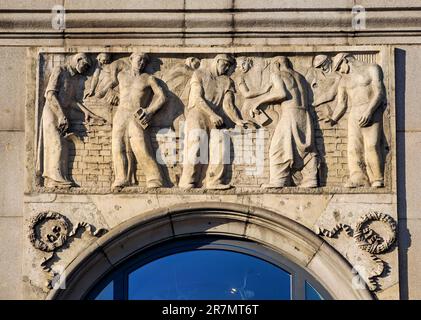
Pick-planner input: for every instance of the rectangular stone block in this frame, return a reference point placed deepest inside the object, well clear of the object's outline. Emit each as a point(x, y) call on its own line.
point(408, 74)
point(409, 174)
point(11, 173)
point(12, 88)
point(11, 238)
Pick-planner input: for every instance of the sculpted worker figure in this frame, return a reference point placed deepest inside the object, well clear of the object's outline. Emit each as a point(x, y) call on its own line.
point(361, 89)
point(211, 99)
point(101, 76)
point(292, 151)
point(324, 84)
point(62, 93)
point(140, 98)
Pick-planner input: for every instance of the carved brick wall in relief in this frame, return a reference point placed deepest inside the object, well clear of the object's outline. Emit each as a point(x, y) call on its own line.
point(120, 121)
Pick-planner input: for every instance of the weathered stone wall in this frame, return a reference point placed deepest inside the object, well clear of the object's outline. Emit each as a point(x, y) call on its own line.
point(393, 25)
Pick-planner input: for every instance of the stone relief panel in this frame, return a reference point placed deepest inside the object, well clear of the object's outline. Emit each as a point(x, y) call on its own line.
point(180, 122)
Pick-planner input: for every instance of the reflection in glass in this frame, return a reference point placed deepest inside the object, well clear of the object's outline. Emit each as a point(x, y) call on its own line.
point(107, 293)
point(311, 293)
point(209, 274)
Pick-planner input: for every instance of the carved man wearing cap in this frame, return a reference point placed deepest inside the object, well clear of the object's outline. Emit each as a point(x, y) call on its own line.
point(62, 94)
point(362, 91)
point(324, 85)
point(210, 105)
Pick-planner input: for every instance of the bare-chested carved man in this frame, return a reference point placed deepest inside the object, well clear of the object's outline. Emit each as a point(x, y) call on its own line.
point(292, 151)
point(140, 98)
point(361, 89)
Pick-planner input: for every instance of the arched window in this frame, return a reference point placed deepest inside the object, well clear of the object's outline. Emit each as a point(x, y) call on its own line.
point(208, 268)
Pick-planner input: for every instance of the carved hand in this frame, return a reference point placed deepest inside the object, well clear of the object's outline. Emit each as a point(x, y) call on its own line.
point(216, 120)
point(63, 124)
point(113, 97)
point(90, 93)
point(365, 119)
point(254, 111)
point(146, 119)
point(329, 120)
point(91, 116)
point(243, 123)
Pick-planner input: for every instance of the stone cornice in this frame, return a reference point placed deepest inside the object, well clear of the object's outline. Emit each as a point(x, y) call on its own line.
point(230, 20)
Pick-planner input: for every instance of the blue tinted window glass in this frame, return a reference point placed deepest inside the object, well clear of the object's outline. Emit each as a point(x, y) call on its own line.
point(311, 293)
point(209, 274)
point(107, 293)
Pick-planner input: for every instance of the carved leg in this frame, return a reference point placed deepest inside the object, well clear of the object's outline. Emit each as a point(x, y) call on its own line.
point(373, 159)
point(195, 150)
point(356, 162)
point(118, 146)
point(279, 160)
point(53, 152)
point(309, 171)
point(142, 148)
point(219, 157)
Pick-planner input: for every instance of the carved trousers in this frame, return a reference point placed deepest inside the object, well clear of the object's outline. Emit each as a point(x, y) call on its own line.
point(364, 157)
point(290, 155)
point(203, 147)
point(124, 124)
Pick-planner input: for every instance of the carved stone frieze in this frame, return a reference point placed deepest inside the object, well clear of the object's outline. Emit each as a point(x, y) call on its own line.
point(109, 122)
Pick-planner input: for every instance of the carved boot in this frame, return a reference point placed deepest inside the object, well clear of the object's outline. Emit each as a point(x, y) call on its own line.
point(153, 184)
point(355, 184)
point(118, 184)
point(272, 186)
point(51, 183)
point(377, 184)
point(186, 186)
point(218, 186)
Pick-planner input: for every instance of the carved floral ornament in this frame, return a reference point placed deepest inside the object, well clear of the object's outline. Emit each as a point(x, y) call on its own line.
point(103, 115)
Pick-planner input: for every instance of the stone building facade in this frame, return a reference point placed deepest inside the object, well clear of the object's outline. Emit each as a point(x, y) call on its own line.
point(291, 126)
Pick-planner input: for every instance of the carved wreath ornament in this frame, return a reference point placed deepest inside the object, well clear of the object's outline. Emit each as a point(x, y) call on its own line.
point(50, 231)
point(367, 239)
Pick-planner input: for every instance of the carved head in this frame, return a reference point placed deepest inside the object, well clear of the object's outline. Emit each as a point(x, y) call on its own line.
point(341, 62)
point(323, 62)
point(103, 58)
point(139, 62)
point(246, 64)
point(222, 63)
point(80, 62)
point(281, 63)
point(192, 62)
